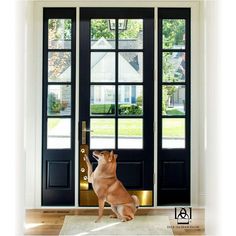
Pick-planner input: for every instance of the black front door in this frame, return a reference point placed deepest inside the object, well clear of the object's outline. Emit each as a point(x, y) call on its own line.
point(116, 95)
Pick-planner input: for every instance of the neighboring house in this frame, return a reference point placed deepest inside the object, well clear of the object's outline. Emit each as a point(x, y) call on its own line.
point(130, 69)
point(103, 70)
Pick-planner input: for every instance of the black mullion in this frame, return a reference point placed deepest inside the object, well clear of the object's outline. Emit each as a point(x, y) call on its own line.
point(173, 50)
point(114, 116)
point(59, 83)
point(116, 85)
point(115, 50)
point(102, 83)
point(131, 50)
point(173, 116)
point(55, 116)
point(59, 50)
point(131, 83)
point(102, 116)
point(174, 83)
point(131, 117)
point(102, 50)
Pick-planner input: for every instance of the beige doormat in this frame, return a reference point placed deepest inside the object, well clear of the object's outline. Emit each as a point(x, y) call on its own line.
point(141, 225)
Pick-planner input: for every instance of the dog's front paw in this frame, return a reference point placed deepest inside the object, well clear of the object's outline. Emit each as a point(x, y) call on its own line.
point(85, 157)
point(125, 218)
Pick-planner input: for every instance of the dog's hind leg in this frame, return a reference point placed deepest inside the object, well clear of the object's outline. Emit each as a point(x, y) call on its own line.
point(101, 203)
point(125, 213)
point(116, 215)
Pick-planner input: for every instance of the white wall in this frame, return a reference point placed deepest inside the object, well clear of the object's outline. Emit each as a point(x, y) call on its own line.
point(33, 100)
point(31, 90)
point(14, 68)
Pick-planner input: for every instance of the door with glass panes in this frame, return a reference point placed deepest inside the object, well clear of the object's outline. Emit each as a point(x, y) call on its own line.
point(116, 94)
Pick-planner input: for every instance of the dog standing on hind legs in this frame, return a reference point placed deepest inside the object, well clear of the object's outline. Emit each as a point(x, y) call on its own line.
point(109, 189)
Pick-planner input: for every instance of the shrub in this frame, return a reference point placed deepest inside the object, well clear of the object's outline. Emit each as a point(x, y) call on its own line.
point(140, 101)
point(54, 104)
point(128, 109)
point(103, 109)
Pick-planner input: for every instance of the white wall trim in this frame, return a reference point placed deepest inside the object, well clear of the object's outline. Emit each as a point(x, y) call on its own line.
point(33, 170)
point(38, 39)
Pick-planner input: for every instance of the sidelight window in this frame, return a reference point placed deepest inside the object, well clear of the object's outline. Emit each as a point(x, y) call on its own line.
point(174, 83)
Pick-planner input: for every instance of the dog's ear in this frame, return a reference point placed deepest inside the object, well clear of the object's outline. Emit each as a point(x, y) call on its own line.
point(111, 156)
point(115, 156)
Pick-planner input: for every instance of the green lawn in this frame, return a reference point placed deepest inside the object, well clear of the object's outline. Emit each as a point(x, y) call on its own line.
point(126, 127)
point(173, 128)
point(173, 111)
point(53, 122)
point(133, 127)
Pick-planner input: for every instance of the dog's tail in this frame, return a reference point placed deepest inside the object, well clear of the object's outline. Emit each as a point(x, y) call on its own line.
point(136, 201)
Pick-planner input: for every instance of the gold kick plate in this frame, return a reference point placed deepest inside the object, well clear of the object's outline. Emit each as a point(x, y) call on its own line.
point(89, 198)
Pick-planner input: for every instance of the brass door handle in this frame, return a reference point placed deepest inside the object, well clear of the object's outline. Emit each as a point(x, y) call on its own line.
point(88, 130)
point(84, 131)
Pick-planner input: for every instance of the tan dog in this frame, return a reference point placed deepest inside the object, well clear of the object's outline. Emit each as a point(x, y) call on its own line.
point(109, 189)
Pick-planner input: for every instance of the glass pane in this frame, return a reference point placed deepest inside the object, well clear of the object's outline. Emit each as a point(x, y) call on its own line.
point(103, 135)
point(173, 66)
point(59, 67)
point(103, 34)
point(102, 100)
point(130, 100)
point(59, 133)
point(102, 67)
point(59, 100)
point(173, 133)
point(173, 33)
point(130, 133)
point(173, 100)
point(130, 34)
point(59, 33)
point(130, 67)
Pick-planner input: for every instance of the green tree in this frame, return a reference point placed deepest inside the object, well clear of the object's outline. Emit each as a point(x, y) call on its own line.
point(133, 29)
point(100, 28)
point(59, 29)
point(173, 31)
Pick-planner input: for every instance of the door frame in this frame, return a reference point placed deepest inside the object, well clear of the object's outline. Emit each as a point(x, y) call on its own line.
point(34, 88)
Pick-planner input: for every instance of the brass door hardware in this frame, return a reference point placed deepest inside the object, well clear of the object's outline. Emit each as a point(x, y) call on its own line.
point(83, 167)
point(84, 132)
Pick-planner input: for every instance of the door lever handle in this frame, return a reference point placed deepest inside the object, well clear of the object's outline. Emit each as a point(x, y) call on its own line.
point(84, 131)
point(88, 130)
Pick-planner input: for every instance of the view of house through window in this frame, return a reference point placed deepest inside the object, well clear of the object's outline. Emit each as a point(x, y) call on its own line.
point(116, 83)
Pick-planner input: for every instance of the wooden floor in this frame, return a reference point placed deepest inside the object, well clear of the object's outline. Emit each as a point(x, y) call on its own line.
point(49, 222)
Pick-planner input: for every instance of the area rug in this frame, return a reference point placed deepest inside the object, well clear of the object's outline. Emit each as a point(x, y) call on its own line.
point(141, 225)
